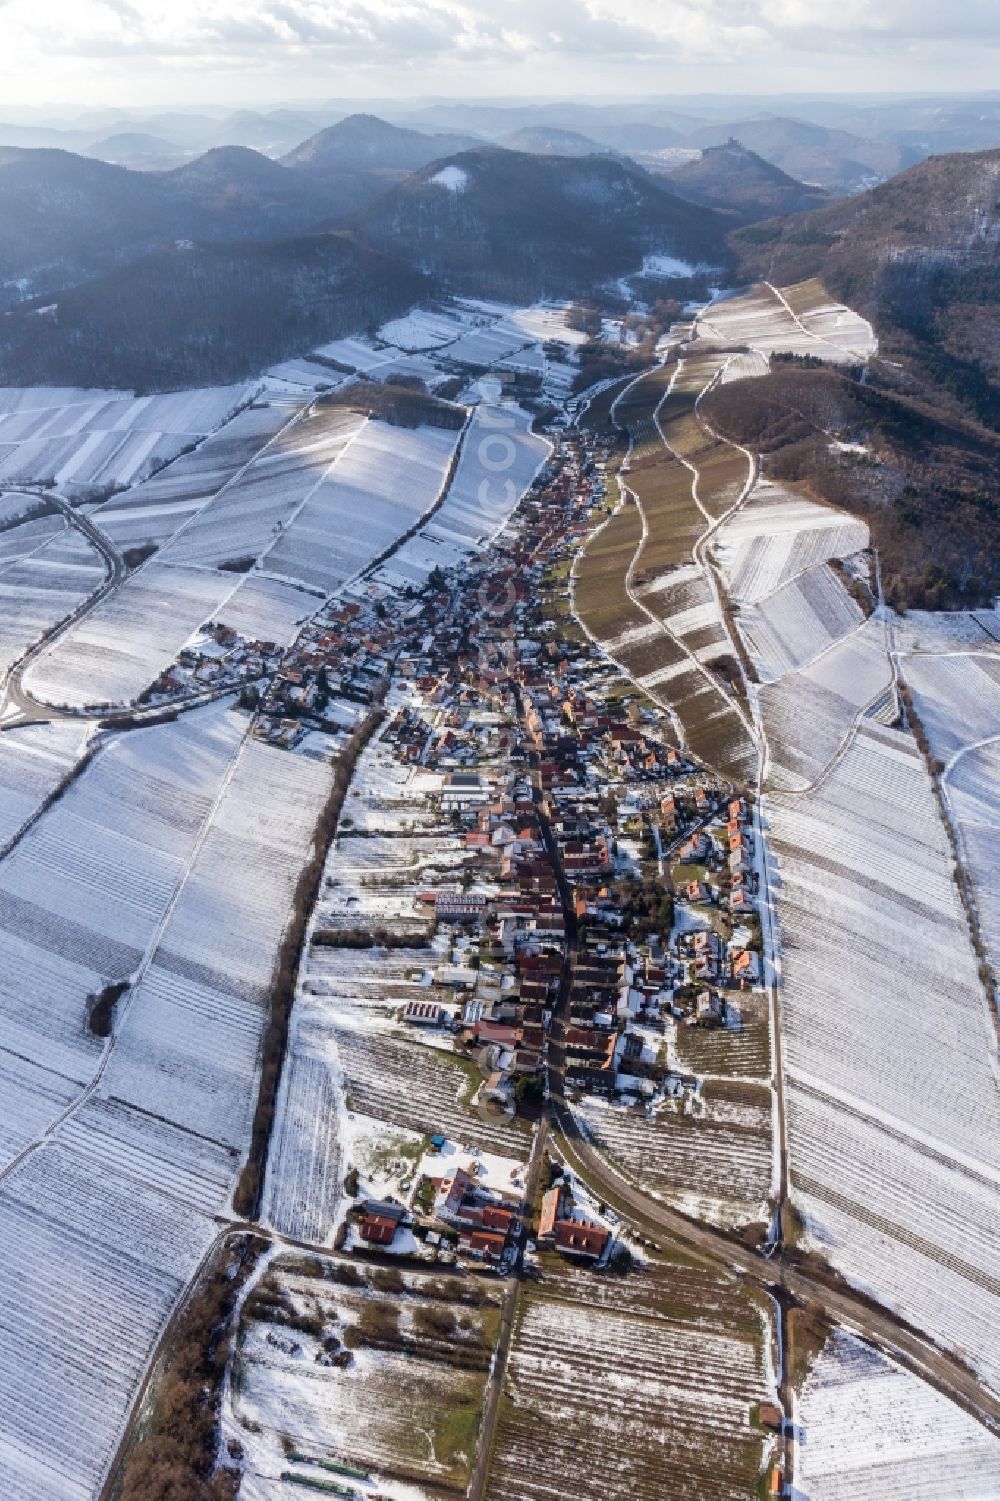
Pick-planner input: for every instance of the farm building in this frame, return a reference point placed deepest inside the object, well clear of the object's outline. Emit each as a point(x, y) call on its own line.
point(422, 1013)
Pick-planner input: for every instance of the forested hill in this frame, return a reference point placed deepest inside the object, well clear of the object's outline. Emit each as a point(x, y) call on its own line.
point(920, 256)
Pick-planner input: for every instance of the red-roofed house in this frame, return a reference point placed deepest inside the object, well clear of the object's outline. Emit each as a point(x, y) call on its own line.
point(378, 1229)
point(581, 1238)
point(550, 1213)
point(488, 1244)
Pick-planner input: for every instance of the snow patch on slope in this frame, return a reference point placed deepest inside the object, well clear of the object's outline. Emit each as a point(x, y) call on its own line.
point(451, 178)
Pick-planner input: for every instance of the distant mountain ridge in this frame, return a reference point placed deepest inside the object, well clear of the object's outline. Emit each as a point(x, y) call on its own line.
point(736, 180)
point(508, 223)
point(548, 140)
point(64, 217)
point(136, 149)
point(365, 141)
point(815, 154)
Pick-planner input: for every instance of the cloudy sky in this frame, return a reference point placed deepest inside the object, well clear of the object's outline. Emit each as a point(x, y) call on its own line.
point(107, 52)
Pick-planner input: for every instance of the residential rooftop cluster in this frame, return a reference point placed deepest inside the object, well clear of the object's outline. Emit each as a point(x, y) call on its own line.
point(580, 889)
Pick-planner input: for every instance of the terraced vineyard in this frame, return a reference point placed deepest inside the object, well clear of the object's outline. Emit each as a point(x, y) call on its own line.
point(639, 588)
point(631, 1389)
point(602, 600)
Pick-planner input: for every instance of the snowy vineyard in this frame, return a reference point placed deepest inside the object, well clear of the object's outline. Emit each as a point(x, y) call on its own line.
point(84, 441)
point(893, 1156)
point(47, 570)
point(713, 1162)
point(108, 1212)
point(630, 1390)
point(954, 677)
point(871, 1430)
point(800, 319)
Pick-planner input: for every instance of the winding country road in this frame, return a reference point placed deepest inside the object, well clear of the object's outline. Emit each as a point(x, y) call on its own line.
point(17, 705)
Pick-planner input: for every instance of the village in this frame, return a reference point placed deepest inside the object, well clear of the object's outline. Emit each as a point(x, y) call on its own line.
point(596, 904)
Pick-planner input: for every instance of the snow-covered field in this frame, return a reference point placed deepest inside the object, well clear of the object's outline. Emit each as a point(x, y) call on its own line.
point(500, 457)
point(47, 569)
point(778, 535)
point(150, 513)
point(304, 1184)
point(421, 329)
point(748, 366)
point(889, 1052)
point(81, 897)
point(302, 376)
point(188, 1052)
point(871, 1430)
point(93, 1264)
point(830, 320)
point(177, 855)
point(820, 662)
point(84, 441)
point(971, 789)
point(34, 760)
point(957, 696)
point(789, 628)
point(246, 516)
point(382, 483)
point(764, 320)
point(952, 667)
point(118, 649)
point(485, 346)
point(809, 715)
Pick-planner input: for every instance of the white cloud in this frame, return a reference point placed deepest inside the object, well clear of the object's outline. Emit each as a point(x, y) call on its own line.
point(350, 27)
point(517, 39)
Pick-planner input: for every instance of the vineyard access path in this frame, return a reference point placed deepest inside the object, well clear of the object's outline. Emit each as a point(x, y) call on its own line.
point(769, 1267)
point(755, 731)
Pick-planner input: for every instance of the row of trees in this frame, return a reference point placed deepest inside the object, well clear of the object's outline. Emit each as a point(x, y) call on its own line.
point(246, 1199)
